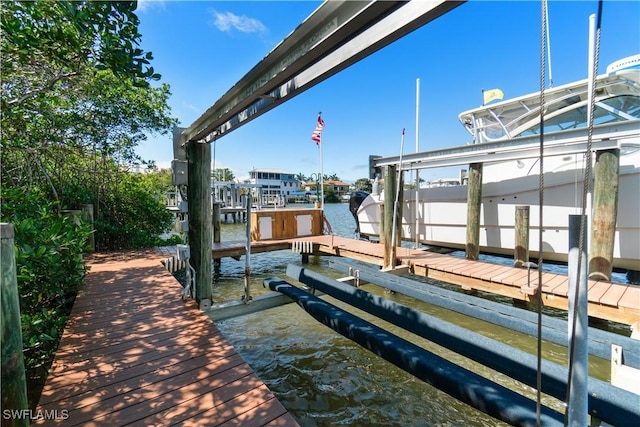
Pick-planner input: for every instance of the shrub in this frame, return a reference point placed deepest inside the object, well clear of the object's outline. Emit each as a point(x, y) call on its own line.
point(50, 270)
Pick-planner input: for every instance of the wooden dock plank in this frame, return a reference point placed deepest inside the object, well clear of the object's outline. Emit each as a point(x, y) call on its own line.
point(499, 279)
point(552, 281)
point(227, 411)
point(457, 266)
point(612, 303)
point(529, 279)
point(613, 295)
point(597, 289)
point(140, 403)
point(484, 270)
point(630, 298)
point(134, 352)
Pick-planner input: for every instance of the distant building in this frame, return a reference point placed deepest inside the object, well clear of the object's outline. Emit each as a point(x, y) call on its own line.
point(272, 186)
point(339, 187)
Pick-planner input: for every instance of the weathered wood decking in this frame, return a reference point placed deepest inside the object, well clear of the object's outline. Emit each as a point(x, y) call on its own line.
point(134, 353)
point(609, 301)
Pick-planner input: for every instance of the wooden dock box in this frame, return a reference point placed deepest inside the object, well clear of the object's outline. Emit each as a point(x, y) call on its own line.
point(276, 224)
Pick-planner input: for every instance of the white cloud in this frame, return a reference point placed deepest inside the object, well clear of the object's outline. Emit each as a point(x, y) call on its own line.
point(145, 5)
point(228, 21)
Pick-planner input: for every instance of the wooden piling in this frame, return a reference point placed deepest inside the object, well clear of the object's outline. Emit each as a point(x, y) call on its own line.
point(521, 251)
point(14, 384)
point(217, 227)
point(200, 217)
point(605, 211)
point(87, 216)
point(398, 241)
point(474, 202)
point(387, 229)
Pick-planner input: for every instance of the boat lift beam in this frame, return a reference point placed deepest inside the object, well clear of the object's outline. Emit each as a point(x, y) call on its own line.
point(466, 386)
point(336, 35)
point(553, 329)
point(574, 141)
point(607, 402)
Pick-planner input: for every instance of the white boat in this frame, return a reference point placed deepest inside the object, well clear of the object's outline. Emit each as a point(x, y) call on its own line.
point(506, 184)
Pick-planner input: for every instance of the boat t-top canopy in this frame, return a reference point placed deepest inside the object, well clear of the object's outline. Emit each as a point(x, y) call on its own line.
point(617, 99)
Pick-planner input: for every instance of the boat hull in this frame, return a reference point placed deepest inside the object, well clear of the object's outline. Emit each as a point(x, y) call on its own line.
point(442, 215)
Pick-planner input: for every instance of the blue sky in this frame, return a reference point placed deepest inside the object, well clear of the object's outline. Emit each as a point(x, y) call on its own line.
point(202, 48)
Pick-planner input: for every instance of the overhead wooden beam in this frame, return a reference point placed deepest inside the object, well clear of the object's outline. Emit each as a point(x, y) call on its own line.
point(335, 36)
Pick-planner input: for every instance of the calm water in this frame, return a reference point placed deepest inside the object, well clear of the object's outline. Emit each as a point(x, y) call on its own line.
point(323, 378)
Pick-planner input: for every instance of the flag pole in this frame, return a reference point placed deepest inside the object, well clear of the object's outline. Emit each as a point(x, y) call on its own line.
point(321, 181)
point(317, 137)
point(321, 172)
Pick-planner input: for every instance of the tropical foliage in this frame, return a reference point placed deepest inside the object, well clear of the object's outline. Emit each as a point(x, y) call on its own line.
point(222, 174)
point(363, 184)
point(49, 244)
point(78, 95)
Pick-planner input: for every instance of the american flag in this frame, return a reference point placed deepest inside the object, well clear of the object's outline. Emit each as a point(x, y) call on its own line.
point(316, 135)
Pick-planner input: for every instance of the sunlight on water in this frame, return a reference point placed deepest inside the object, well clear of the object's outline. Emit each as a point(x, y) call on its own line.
point(323, 378)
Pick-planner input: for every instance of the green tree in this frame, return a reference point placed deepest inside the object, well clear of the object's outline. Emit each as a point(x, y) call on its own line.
point(46, 45)
point(76, 99)
point(132, 213)
point(223, 174)
point(330, 196)
point(50, 270)
point(363, 184)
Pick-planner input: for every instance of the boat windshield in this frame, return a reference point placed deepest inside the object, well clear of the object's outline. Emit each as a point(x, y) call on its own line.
point(566, 107)
point(611, 110)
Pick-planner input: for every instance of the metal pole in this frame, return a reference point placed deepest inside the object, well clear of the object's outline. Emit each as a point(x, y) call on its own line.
point(417, 224)
point(578, 325)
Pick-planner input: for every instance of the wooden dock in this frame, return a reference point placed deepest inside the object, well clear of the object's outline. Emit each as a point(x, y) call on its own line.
point(616, 302)
point(134, 353)
point(609, 301)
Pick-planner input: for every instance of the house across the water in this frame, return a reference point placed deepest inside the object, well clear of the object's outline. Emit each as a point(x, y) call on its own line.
point(272, 186)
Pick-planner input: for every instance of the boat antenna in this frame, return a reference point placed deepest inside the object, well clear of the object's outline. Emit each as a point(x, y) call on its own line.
point(546, 18)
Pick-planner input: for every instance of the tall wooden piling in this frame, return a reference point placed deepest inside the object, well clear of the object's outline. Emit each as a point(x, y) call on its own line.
point(521, 252)
point(14, 385)
point(474, 201)
point(605, 211)
point(390, 183)
point(87, 216)
point(217, 227)
point(200, 217)
point(400, 196)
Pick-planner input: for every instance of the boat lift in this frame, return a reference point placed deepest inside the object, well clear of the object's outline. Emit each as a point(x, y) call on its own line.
point(573, 141)
point(606, 402)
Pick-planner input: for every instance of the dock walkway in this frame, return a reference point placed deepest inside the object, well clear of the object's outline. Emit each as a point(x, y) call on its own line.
point(609, 301)
point(617, 302)
point(134, 353)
